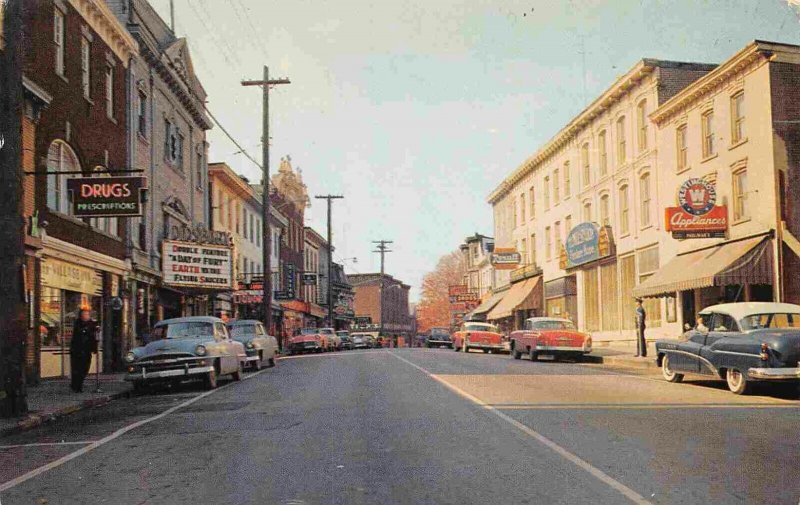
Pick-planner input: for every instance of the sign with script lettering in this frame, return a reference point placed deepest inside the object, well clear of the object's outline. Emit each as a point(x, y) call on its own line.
point(106, 196)
point(189, 264)
point(697, 215)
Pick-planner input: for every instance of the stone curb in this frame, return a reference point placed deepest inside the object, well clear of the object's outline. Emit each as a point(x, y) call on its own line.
point(35, 419)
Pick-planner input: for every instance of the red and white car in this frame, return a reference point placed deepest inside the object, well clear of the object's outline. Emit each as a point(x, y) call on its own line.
point(549, 335)
point(474, 335)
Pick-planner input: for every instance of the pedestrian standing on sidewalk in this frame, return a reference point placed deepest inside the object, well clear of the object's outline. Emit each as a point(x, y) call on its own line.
point(641, 317)
point(81, 347)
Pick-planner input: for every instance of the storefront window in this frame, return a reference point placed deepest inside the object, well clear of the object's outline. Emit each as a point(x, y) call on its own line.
point(627, 280)
point(591, 293)
point(609, 299)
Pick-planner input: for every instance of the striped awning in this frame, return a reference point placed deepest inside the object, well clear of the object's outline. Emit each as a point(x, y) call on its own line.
point(523, 295)
point(743, 262)
point(488, 304)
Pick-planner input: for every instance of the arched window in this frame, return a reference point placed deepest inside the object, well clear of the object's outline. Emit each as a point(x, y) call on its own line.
point(60, 158)
point(106, 224)
point(624, 210)
point(604, 210)
point(644, 200)
point(641, 125)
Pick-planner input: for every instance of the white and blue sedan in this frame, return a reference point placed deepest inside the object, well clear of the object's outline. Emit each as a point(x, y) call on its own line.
point(186, 348)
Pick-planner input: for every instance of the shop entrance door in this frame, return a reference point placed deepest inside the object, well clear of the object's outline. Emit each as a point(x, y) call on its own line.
point(687, 308)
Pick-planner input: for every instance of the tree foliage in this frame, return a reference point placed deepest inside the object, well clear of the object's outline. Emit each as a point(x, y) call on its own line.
point(434, 305)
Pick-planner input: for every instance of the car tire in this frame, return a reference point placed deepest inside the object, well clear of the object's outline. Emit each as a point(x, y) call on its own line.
point(516, 354)
point(456, 348)
point(257, 363)
point(533, 355)
point(210, 380)
point(237, 375)
point(737, 382)
point(669, 374)
point(271, 362)
point(465, 346)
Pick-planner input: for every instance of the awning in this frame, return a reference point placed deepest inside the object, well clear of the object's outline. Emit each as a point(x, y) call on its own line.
point(523, 295)
point(744, 262)
point(316, 311)
point(489, 303)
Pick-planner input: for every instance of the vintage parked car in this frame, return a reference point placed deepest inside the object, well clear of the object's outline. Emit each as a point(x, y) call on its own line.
point(474, 335)
point(550, 336)
point(360, 341)
point(260, 347)
point(738, 342)
point(186, 348)
point(438, 337)
point(308, 340)
point(347, 342)
point(334, 343)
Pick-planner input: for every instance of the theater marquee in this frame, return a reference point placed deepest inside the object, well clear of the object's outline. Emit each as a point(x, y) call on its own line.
point(189, 264)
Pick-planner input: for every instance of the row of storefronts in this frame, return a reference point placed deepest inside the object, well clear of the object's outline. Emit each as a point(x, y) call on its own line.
point(679, 195)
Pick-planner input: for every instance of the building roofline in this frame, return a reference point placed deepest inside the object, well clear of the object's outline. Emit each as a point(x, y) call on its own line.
point(222, 171)
point(736, 63)
point(606, 100)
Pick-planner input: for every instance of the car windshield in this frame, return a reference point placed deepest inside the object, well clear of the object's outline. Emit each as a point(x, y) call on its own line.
point(241, 330)
point(553, 325)
point(342, 333)
point(184, 330)
point(770, 320)
point(309, 331)
point(480, 327)
point(439, 336)
point(326, 331)
point(438, 332)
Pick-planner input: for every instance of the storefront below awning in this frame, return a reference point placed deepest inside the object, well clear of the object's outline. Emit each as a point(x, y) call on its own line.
point(525, 295)
point(487, 305)
point(735, 263)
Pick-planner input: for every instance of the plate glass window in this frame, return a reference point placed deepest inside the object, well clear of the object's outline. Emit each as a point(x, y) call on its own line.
point(60, 159)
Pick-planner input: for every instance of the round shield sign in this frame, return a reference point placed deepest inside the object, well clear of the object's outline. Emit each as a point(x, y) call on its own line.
point(697, 196)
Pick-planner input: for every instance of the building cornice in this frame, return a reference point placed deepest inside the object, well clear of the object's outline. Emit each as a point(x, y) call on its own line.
point(105, 24)
point(608, 99)
point(708, 83)
point(231, 180)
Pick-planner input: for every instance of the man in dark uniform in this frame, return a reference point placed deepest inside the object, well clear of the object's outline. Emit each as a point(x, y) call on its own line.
point(641, 316)
point(81, 347)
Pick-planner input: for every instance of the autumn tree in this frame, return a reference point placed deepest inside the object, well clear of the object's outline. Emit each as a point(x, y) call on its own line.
point(434, 305)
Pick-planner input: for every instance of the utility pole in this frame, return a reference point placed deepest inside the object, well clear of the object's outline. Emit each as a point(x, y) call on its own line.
point(172, 15)
point(330, 199)
point(382, 249)
point(266, 237)
point(13, 327)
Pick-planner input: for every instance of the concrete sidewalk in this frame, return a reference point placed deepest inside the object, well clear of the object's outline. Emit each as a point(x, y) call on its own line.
point(53, 398)
point(622, 355)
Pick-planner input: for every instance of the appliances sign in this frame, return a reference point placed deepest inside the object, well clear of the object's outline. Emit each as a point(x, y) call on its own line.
point(106, 196)
point(197, 265)
point(697, 215)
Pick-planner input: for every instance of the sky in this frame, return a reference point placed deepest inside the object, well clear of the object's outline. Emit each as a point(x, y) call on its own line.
point(414, 111)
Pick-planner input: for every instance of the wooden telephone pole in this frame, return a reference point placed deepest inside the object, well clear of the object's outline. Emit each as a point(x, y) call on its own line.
point(266, 238)
point(382, 249)
point(13, 327)
point(329, 294)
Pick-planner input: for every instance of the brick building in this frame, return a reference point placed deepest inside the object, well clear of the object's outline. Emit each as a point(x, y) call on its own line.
point(166, 127)
point(393, 314)
point(77, 58)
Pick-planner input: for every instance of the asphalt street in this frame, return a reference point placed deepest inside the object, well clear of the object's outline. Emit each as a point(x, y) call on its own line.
point(417, 426)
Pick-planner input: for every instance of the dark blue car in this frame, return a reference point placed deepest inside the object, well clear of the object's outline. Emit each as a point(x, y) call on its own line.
point(738, 342)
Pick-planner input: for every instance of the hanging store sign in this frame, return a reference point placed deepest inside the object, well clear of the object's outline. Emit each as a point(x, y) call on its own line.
point(585, 243)
point(196, 265)
point(464, 297)
point(697, 215)
point(106, 196)
point(310, 279)
point(505, 258)
point(248, 297)
point(456, 289)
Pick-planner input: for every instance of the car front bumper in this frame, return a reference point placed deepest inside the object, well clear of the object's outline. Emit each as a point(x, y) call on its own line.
point(143, 374)
point(774, 374)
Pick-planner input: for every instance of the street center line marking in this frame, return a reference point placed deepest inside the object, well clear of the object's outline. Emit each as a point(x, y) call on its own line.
point(577, 461)
point(45, 444)
point(116, 434)
point(640, 407)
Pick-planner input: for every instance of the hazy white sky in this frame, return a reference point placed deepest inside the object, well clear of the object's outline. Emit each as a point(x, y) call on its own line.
point(415, 110)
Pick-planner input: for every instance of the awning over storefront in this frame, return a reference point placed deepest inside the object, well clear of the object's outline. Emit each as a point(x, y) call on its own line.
point(744, 262)
point(488, 304)
point(523, 295)
point(316, 311)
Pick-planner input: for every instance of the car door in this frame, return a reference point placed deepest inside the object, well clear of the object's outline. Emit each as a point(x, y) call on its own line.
point(722, 326)
point(229, 360)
